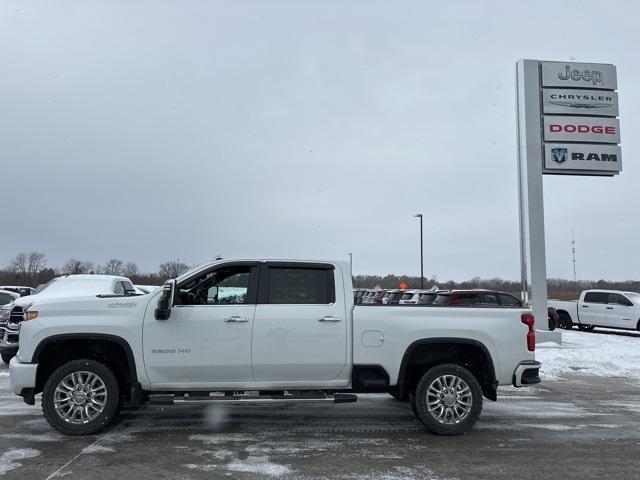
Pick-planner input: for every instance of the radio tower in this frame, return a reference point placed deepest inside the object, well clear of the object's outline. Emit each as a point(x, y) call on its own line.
point(573, 253)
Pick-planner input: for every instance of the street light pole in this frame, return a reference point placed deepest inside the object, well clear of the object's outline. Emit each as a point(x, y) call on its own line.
point(421, 253)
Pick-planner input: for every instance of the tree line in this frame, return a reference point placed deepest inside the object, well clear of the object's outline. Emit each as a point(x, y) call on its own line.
point(31, 269)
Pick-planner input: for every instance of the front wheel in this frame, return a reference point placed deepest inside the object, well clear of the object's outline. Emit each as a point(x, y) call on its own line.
point(6, 357)
point(448, 400)
point(565, 321)
point(81, 397)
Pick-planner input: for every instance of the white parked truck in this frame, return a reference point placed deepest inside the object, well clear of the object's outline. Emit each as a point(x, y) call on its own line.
point(266, 331)
point(600, 308)
point(67, 286)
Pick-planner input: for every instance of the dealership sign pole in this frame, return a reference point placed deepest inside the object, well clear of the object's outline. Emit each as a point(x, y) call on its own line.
point(567, 125)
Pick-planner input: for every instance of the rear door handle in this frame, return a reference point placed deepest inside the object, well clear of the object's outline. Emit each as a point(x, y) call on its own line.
point(329, 318)
point(609, 308)
point(585, 306)
point(236, 319)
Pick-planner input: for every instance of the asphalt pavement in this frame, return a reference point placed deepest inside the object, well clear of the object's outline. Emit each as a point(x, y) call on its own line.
point(580, 427)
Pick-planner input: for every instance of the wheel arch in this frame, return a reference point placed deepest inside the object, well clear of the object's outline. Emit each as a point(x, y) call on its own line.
point(88, 345)
point(427, 352)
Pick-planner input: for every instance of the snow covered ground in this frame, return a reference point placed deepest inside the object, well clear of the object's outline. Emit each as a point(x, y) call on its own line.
point(602, 353)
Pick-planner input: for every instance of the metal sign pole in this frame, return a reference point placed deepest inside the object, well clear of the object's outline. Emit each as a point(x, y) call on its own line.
point(532, 241)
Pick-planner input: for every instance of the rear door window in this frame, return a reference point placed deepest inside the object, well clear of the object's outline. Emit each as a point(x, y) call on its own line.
point(294, 285)
point(596, 297)
point(509, 301)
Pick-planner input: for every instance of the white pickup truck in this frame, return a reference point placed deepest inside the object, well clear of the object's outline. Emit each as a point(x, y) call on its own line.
point(600, 308)
point(265, 331)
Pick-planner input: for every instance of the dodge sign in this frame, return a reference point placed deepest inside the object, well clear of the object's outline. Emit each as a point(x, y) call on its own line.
point(581, 129)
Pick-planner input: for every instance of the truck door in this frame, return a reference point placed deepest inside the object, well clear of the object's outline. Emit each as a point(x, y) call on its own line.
point(300, 326)
point(593, 310)
point(207, 338)
point(620, 312)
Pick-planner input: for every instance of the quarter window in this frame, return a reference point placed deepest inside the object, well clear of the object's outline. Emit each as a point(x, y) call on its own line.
point(300, 286)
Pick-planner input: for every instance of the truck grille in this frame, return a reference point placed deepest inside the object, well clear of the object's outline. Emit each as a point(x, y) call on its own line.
point(17, 315)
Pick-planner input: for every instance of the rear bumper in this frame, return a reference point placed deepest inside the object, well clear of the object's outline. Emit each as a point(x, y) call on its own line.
point(526, 373)
point(23, 376)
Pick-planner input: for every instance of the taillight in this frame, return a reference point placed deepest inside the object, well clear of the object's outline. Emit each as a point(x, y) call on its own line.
point(529, 321)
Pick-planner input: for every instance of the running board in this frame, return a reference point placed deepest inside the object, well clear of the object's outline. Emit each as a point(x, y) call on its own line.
point(187, 399)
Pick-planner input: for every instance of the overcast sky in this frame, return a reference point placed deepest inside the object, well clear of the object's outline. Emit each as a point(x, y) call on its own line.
point(153, 130)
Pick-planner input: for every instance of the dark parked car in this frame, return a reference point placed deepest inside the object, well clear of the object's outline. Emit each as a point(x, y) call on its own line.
point(476, 298)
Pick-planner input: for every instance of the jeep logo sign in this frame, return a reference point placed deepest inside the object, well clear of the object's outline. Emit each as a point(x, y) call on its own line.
point(581, 75)
point(588, 158)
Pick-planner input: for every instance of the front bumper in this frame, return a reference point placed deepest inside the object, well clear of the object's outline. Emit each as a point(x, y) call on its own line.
point(22, 376)
point(8, 341)
point(526, 373)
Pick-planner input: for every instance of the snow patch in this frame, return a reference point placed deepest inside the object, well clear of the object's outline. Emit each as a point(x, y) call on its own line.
point(259, 465)
point(592, 354)
point(200, 467)
point(95, 448)
point(217, 438)
point(33, 437)
point(9, 459)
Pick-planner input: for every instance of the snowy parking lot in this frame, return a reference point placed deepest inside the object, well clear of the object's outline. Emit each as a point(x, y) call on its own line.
point(589, 402)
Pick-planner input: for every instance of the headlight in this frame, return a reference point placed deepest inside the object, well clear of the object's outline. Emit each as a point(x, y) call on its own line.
point(5, 313)
point(30, 314)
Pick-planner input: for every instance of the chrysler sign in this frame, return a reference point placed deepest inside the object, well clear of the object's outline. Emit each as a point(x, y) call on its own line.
point(581, 129)
point(579, 102)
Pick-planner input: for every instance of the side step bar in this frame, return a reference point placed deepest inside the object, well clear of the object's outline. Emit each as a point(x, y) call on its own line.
point(188, 399)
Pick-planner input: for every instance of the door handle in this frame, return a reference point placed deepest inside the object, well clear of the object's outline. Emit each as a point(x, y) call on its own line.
point(609, 308)
point(236, 319)
point(330, 318)
point(585, 306)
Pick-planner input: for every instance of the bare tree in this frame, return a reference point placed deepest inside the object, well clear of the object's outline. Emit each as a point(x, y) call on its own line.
point(28, 265)
point(172, 269)
point(113, 267)
point(75, 266)
point(130, 269)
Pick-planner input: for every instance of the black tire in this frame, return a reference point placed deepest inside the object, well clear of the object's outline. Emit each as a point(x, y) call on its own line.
point(102, 419)
point(6, 357)
point(412, 401)
point(565, 321)
point(473, 397)
point(401, 398)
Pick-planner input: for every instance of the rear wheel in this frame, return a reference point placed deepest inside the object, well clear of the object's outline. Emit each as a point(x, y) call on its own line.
point(565, 321)
point(448, 400)
point(81, 397)
point(6, 357)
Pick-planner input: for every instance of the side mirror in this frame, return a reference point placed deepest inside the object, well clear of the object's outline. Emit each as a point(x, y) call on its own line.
point(166, 301)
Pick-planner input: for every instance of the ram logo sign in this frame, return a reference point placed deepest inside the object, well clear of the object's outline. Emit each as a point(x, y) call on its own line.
point(559, 155)
point(587, 158)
